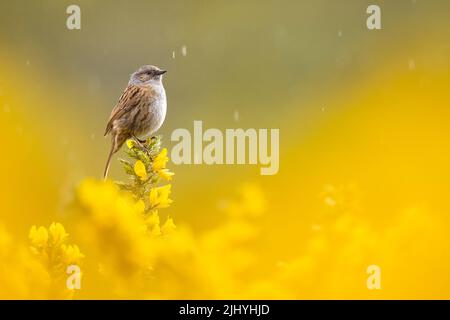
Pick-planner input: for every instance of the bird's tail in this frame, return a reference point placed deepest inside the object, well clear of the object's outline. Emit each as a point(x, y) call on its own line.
point(108, 162)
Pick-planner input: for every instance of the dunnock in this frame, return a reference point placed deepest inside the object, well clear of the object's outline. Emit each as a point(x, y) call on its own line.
point(140, 111)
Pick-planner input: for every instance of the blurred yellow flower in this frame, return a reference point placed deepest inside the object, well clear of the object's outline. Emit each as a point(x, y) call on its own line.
point(57, 234)
point(72, 254)
point(50, 249)
point(139, 169)
point(152, 223)
point(140, 206)
point(159, 197)
point(250, 203)
point(168, 227)
point(23, 276)
point(38, 236)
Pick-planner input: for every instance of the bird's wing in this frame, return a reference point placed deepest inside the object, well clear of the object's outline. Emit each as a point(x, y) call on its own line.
point(127, 101)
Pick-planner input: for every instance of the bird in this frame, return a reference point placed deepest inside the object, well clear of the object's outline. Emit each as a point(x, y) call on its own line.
point(140, 110)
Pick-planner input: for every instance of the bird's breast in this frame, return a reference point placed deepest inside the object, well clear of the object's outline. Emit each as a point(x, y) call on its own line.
point(153, 118)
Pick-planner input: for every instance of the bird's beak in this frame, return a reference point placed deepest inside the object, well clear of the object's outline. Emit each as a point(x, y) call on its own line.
point(161, 72)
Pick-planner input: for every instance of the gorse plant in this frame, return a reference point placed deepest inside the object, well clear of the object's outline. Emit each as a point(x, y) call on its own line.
point(146, 168)
point(119, 221)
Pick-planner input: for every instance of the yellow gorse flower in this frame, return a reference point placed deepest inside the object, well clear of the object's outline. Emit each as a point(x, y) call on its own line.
point(159, 165)
point(168, 227)
point(43, 238)
point(159, 197)
point(153, 224)
point(160, 160)
point(49, 245)
point(38, 237)
point(166, 174)
point(57, 234)
point(72, 254)
point(139, 169)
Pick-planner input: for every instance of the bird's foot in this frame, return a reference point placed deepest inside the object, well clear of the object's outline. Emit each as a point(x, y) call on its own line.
point(141, 144)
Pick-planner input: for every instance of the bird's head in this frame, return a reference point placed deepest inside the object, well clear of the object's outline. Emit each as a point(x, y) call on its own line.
point(147, 75)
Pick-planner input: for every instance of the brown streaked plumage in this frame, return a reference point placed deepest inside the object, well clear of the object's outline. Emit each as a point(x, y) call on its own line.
point(140, 111)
